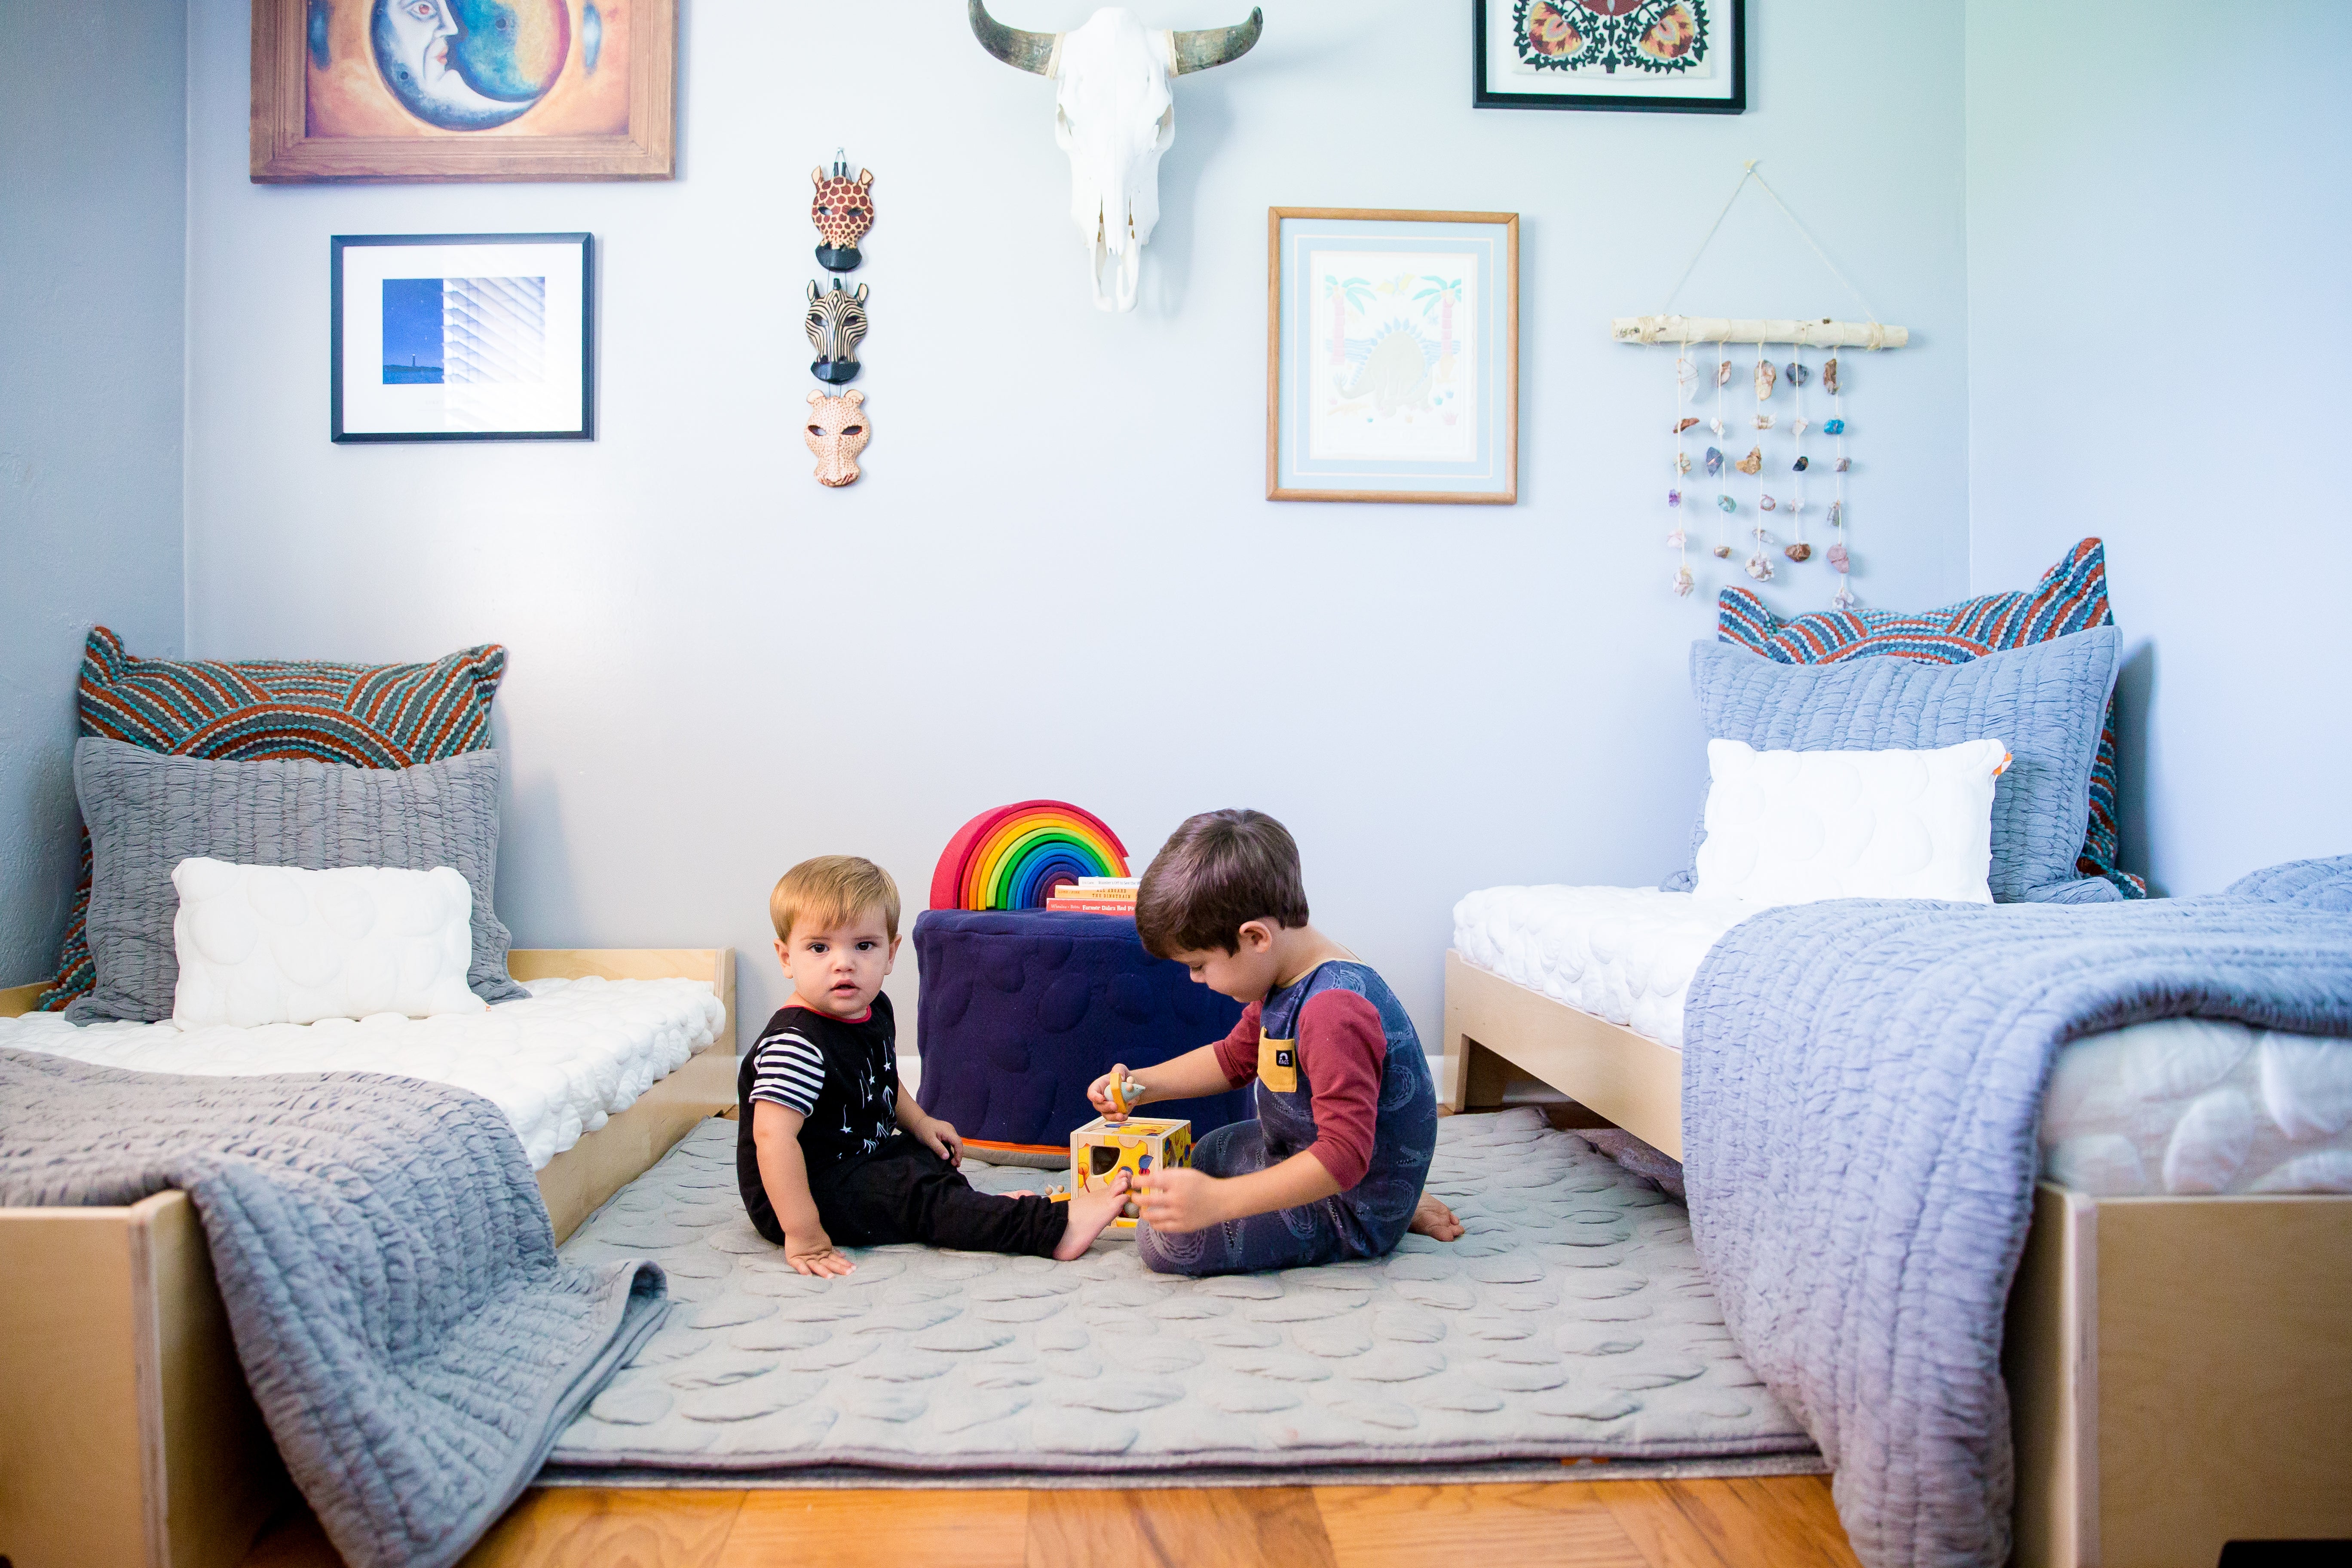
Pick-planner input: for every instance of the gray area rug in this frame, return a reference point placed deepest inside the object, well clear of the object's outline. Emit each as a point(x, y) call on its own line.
point(1570, 1321)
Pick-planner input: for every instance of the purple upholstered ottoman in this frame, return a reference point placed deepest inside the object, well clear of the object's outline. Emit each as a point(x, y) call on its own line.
point(1020, 1010)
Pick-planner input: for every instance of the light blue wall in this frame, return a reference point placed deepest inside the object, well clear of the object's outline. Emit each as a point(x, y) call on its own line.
point(93, 143)
point(2159, 210)
point(718, 669)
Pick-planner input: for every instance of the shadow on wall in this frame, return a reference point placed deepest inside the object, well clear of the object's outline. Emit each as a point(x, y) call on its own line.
point(2134, 688)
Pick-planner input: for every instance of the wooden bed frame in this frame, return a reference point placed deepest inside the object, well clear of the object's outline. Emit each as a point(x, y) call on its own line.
point(2177, 1366)
point(127, 1435)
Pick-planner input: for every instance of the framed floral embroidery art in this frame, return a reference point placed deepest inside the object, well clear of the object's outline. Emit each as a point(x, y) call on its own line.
point(1686, 56)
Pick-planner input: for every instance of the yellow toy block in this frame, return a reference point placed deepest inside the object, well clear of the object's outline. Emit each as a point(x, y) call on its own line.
point(1139, 1145)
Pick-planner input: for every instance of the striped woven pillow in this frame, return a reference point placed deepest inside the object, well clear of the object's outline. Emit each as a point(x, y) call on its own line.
point(360, 715)
point(2071, 597)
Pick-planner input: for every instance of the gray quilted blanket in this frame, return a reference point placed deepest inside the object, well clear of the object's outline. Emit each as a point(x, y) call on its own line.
point(1860, 1085)
point(389, 1274)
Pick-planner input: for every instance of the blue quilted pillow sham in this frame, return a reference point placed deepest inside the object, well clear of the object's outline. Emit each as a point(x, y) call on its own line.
point(2071, 597)
point(2045, 701)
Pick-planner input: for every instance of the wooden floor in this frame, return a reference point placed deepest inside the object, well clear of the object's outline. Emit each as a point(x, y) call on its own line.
point(1609, 1524)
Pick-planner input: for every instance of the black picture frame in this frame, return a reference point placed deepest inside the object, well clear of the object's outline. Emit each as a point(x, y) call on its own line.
point(341, 246)
point(1483, 96)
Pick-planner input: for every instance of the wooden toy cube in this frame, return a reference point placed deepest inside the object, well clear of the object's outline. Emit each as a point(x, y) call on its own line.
point(1141, 1145)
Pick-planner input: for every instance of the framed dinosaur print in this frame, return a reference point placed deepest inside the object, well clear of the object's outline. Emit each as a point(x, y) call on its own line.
point(1392, 356)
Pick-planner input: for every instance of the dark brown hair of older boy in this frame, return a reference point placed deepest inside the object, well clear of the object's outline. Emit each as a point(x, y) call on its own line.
point(1217, 873)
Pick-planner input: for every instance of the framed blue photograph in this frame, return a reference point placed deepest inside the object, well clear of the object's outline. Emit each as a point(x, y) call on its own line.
point(463, 337)
point(1392, 356)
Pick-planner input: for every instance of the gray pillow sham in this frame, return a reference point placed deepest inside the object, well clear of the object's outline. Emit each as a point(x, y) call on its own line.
point(147, 812)
point(2046, 702)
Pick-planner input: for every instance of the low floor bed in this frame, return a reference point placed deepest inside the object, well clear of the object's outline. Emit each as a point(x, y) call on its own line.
point(127, 1435)
point(2179, 1340)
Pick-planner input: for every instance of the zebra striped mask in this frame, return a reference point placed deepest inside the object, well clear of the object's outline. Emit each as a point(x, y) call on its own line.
point(836, 321)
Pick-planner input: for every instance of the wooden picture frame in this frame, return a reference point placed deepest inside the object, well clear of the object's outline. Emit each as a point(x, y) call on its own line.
point(1363, 418)
point(1721, 28)
point(362, 129)
point(462, 392)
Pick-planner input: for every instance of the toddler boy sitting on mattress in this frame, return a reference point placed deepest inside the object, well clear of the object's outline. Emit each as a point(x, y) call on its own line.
point(833, 1150)
point(1347, 1116)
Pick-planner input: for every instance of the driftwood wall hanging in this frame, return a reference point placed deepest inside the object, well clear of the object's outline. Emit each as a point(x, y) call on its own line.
point(1779, 489)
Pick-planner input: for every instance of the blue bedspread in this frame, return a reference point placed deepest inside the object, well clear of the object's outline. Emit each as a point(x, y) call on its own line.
point(408, 1331)
point(1862, 1082)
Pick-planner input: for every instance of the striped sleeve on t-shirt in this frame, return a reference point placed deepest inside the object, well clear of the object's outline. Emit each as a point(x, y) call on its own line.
point(787, 1071)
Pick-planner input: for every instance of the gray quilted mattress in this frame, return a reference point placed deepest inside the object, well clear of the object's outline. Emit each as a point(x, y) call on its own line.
point(1571, 1320)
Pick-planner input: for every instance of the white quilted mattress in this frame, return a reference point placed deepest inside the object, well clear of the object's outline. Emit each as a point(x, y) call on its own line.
point(2182, 1105)
point(558, 1063)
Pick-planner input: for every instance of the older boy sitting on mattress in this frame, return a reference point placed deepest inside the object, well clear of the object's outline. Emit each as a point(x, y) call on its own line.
point(1347, 1116)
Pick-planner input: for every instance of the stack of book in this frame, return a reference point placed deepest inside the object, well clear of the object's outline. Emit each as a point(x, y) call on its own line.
point(1096, 895)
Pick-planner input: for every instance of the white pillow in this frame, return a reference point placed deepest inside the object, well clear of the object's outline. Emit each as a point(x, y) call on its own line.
point(274, 944)
point(1789, 828)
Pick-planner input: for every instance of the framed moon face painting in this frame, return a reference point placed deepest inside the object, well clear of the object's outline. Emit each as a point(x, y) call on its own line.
point(463, 89)
point(462, 337)
point(1676, 55)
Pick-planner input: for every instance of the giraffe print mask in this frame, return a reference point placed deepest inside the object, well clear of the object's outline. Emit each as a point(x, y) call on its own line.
point(843, 211)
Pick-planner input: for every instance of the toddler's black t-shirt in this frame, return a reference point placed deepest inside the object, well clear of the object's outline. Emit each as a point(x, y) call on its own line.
point(842, 1077)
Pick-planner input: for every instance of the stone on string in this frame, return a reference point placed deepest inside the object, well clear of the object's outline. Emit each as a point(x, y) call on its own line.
point(1839, 559)
point(1726, 503)
point(1682, 462)
point(1830, 378)
point(1753, 461)
point(1675, 539)
point(1799, 426)
point(1834, 427)
point(1765, 376)
point(1844, 464)
point(1685, 425)
point(1723, 552)
point(1837, 514)
point(1799, 552)
point(1844, 600)
point(1797, 374)
point(1760, 568)
point(1685, 375)
point(1769, 504)
point(1763, 422)
point(1800, 464)
point(1713, 460)
point(1674, 498)
point(1683, 582)
point(1723, 374)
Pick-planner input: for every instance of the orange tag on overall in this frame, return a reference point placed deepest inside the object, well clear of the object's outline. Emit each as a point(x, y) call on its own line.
point(1278, 1063)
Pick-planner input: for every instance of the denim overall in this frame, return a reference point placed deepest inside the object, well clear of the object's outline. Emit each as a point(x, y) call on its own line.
point(1369, 1218)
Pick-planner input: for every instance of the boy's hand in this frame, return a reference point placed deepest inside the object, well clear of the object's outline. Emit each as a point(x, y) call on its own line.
point(942, 1138)
point(1098, 1091)
point(1179, 1199)
point(816, 1255)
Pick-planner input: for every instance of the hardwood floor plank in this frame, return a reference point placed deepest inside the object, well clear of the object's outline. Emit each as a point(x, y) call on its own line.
point(621, 1527)
point(880, 1530)
point(1731, 1523)
point(1518, 1524)
point(560, 1527)
point(1232, 1527)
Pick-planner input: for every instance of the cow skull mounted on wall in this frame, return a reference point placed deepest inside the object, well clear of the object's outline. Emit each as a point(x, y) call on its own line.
point(1114, 115)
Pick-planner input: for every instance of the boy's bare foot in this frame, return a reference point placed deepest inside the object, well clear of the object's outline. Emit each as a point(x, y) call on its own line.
point(1089, 1213)
point(1431, 1217)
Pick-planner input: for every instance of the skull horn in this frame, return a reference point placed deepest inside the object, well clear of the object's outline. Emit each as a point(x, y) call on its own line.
point(1029, 51)
point(1206, 46)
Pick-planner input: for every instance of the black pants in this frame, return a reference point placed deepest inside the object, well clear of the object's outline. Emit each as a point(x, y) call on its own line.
point(903, 1192)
